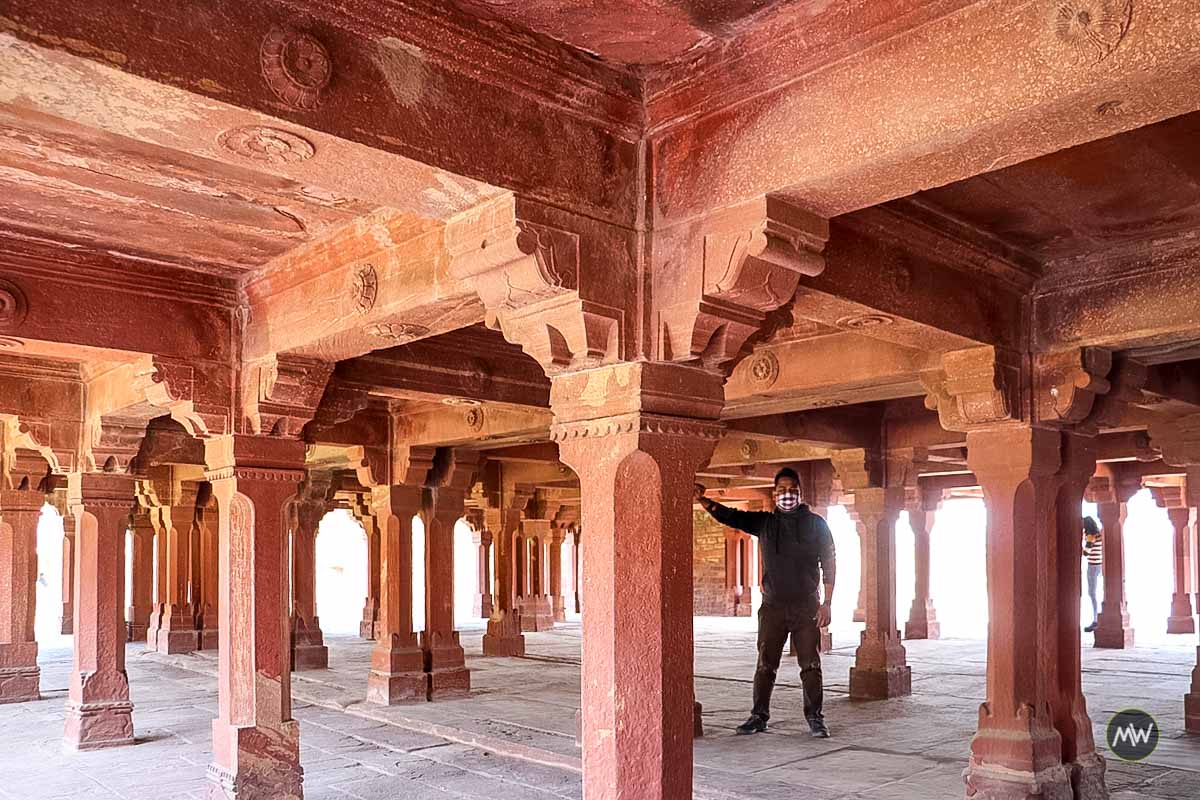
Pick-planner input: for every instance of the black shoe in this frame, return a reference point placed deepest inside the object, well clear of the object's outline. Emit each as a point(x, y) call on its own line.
point(818, 729)
point(1090, 628)
point(755, 724)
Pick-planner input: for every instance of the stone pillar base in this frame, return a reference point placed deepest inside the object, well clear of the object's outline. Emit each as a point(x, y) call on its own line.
point(1087, 778)
point(210, 639)
point(559, 610)
point(503, 637)
point(176, 641)
point(826, 642)
point(536, 614)
point(449, 682)
point(1181, 619)
point(880, 684)
point(91, 726)
point(397, 675)
point(859, 615)
point(19, 684)
point(922, 629)
point(483, 606)
point(310, 656)
point(272, 767)
point(135, 632)
point(1114, 638)
point(1191, 712)
point(984, 783)
point(68, 622)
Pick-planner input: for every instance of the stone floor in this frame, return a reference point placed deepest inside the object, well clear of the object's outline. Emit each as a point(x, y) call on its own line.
point(514, 737)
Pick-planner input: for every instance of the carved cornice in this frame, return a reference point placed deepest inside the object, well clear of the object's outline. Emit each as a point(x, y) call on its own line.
point(170, 384)
point(622, 424)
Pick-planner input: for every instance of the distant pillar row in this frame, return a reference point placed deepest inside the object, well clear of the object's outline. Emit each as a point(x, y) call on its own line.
point(922, 618)
point(1111, 495)
point(308, 642)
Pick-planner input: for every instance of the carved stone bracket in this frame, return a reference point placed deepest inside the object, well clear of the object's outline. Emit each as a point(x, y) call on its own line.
point(170, 384)
point(528, 276)
point(16, 435)
point(973, 389)
point(282, 393)
point(1086, 388)
point(751, 263)
point(1178, 438)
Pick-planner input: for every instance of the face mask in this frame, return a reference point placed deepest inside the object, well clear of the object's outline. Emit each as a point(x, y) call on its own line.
point(788, 500)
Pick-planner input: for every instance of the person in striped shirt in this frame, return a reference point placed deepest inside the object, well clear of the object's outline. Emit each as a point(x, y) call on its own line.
point(1093, 550)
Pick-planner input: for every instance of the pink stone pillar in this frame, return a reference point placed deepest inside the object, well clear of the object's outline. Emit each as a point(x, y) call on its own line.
point(308, 642)
point(482, 539)
point(443, 506)
point(1181, 619)
point(576, 585)
point(19, 513)
point(535, 610)
point(367, 628)
point(504, 637)
point(99, 713)
point(142, 596)
point(397, 661)
point(1191, 700)
point(860, 606)
point(922, 618)
point(207, 614)
point(68, 574)
point(558, 605)
point(1071, 719)
point(256, 743)
point(1112, 625)
point(636, 471)
point(1017, 752)
point(177, 629)
point(160, 581)
point(880, 669)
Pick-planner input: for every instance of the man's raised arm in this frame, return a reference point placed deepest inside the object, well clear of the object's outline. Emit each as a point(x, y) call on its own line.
point(751, 522)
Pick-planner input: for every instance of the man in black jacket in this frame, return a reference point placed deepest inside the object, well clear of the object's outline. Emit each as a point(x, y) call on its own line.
point(797, 556)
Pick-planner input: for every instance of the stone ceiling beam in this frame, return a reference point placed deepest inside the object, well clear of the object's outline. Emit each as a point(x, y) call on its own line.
point(839, 369)
point(839, 428)
point(423, 68)
point(978, 87)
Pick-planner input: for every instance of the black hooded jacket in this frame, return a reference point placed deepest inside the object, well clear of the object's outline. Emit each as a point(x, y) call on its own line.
point(797, 550)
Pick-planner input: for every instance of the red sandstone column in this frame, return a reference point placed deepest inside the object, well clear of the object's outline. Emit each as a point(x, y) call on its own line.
point(142, 595)
point(1071, 719)
point(443, 507)
point(482, 539)
point(19, 513)
point(860, 613)
point(160, 581)
point(558, 605)
point(308, 643)
point(370, 617)
point(503, 637)
point(826, 636)
point(1181, 619)
point(207, 614)
point(177, 629)
point(68, 573)
point(1191, 701)
point(99, 713)
point(397, 661)
point(576, 585)
point(1017, 752)
point(1112, 625)
point(922, 618)
point(256, 743)
point(636, 471)
point(879, 670)
point(535, 612)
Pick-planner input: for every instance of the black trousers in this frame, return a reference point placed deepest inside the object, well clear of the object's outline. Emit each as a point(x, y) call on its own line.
point(775, 623)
